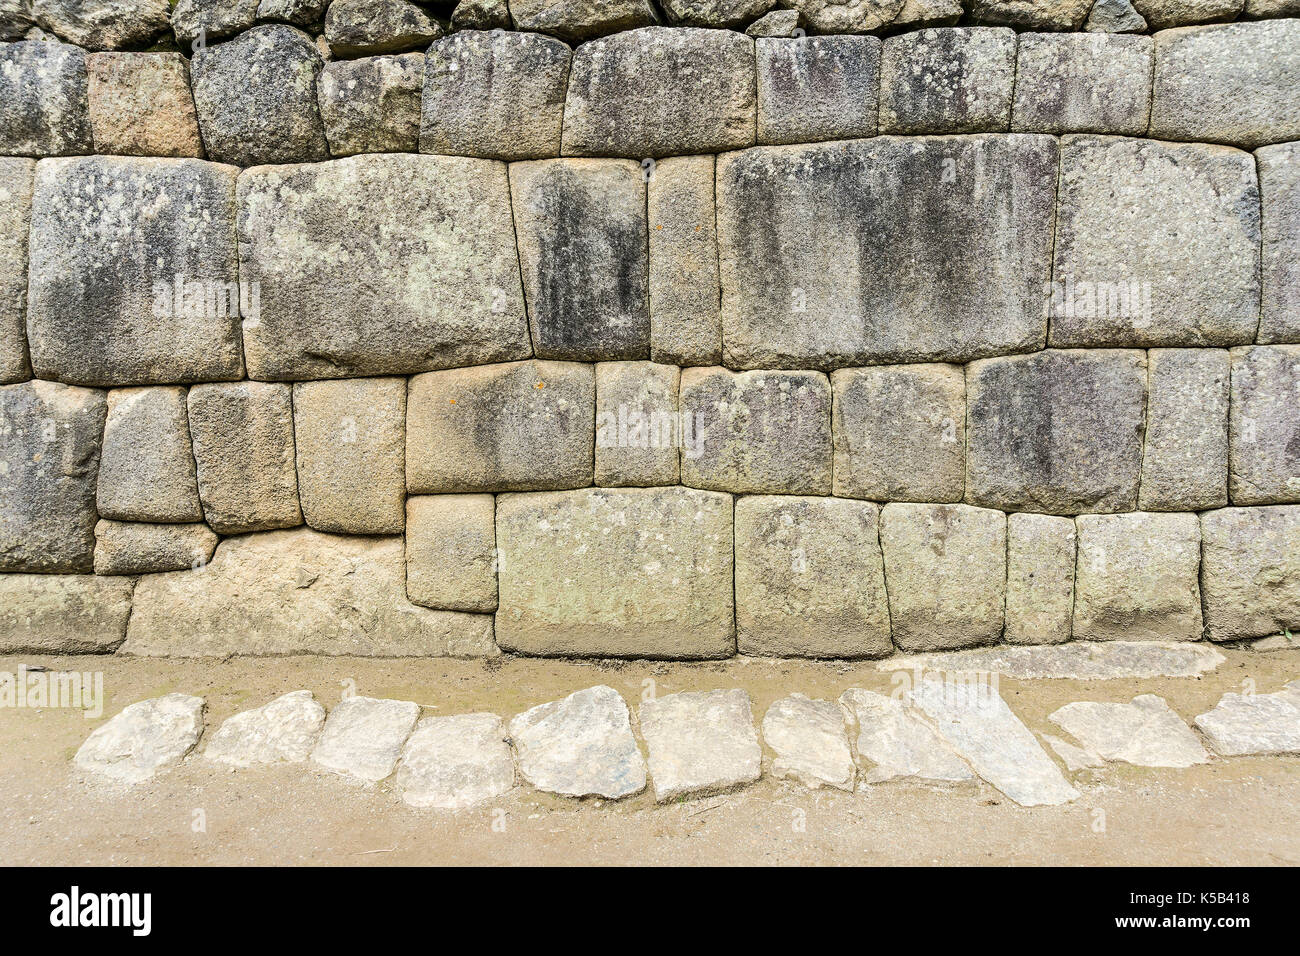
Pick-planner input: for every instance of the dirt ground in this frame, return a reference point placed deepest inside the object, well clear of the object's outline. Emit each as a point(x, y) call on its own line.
point(1237, 811)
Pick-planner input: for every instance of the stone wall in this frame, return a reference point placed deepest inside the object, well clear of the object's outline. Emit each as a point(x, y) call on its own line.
point(674, 343)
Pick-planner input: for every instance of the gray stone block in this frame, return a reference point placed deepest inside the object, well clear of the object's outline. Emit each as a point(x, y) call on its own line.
point(1250, 571)
point(1032, 14)
point(1185, 455)
point(451, 552)
point(368, 27)
point(732, 14)
point(372, 105)
point(1162, 14)
point(835, 16)
point(1264, 436)
point(43, 100)
point(15, 221)
point(576, 20)
point(638, 427)
point(1040, 579)
point(685, 321)
point(103, 24)
point(1279, 186)
point(63, 613)
point(948, 80)
point(817, 88)
point(146, 469)
point(1083, 83)
point(1115, 16)
point(141, 548)
point(211, 19)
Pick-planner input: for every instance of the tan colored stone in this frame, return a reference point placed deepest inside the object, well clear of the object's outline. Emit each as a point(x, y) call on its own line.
point(1040, 578)
point(146, 469)
point(63, 613)
point(142, 548)
point(638, 427)
point(1185, 454)
point(140, 105)
point(685, 297)
point(451, 552)
point(1250, 571)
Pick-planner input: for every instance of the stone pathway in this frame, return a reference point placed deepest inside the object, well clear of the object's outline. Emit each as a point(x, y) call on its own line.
point(1145, 732)
point(1080, 660)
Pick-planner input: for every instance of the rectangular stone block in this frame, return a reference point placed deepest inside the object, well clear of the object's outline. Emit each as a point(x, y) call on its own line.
point(63, 613)
point(817, 88)
point(948, 80)
point(810, 579)
point(146, 470)
point(372, 105)
point(140, 105)
point(43, 109)
point(685, 298)
point(1185, 455)
point(136, 547)
point(638, 425)
point(1040, 579)
point(635, 572)
point(1279, 188)
point(1250, 571)
point(15, 221)
point(451, 552)
point(1083, 83)
point(1264, 427)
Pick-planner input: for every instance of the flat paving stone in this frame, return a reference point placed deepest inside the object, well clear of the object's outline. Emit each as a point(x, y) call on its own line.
point(1146, 732)
point(456, 762)
point(284, 731)
point(701, 743)
point(898, 742)
point(143, 739)
point(1254, 723)
point(363, 737)
point(1081, 660)
point(810, 743)
point(1076, 758)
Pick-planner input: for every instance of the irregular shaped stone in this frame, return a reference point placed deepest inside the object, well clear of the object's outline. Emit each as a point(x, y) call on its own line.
point(1185, 454)
point(1032, 14)
point(581, 230)
point(103, 24)
point(817, 88)
point(15, 221)
point(134, 274)
point(700, 743)
point(451, 553)
point(63, 613)
point(1040, 579)
point(1075, 661)
point(810, 579)
point(947, 80)
point(284, 731)
point(367, 27)
point(302, 13)
point(1083, 83)
point(1059, 431)
point(810, 743)
point(372, 105)
point(575, 20)
point(580, 746)
point(140, 105)
point(43, 108)
point(494, 94)
point(638, 427)
point(1264, 435)
point(836, 16)
point(1250, 571)
point(49, 463)
point(196, 22)
point(380, 265)
point(1075, 758)
point(456, 762)
point(143, 548)
point(685, 322)
point(1279, 186)
point(146, 468)
point(660, 91)
point(143, 740)
point(1243, 724)
point(1115, 16)
point(715, 13)
point(777, 23)
point(15, 19)
point(512, 427)
point(897, 742)
point(1261, 9)
point(1162, 14)
point(363, 737)
point(481, 15)
point(1145, 732)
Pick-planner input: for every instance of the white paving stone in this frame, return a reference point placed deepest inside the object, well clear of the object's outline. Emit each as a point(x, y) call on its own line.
point(1254, 723)
point(283, 731)
point(701, 742)
point(456, 762)
point(363, 737)
point(1084, 660)
point(1145, 732)
point(143, 739)
point(1075, 758)
point(809, 741)
point(898, 742)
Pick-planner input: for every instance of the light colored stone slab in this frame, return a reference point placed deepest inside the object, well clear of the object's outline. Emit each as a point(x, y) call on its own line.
point(1145, 732)
point(947, 80)
point(63, 613)
point(1250, 571)
point(810, 743)
point(146, 468)
point(1264, 429)
point(685, 298)
point(1075, 758)
point(144, 739)
point(1082, 83)
point(897, 742)
point(1185, 452)
point(700, 743)
point(363, 737)
point(284, 731)
point(456, 762)
point(138, 547)
point(1040, 578)
point(576, 20)
point(1074, 661)
point(1254, 723)
point(451, 553)
point(638, 428)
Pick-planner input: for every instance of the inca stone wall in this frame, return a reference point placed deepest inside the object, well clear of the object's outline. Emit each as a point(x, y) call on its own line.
point(387, 329)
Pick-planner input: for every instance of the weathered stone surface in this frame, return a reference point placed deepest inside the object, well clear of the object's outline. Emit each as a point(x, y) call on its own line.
point(512, 427)
point(140, 105)
point(897, 742)
point(49, 463)
point(1194, 281)
point(810, 580)
point(660, 91)
point(1264, 437)
point(929, 13)
point(302, 13)
point(580, 746)
point(1137, 578)
point(947, 80)
point(1162, 14)
point(1059, 431)
point(1243, 724)
point(15, 19)
point(1075, 758)
point(1075, 661)
point(1185, 454)
point(284, 731)
point(15, 221)
point(1279, 187)
point(581, 230)
point(1115, 16)
point(885, 250)
point(1250, 571)
point(635, 572)
point(1032, 14)
point(372, 105)
point(1237, 83)
point(817, 88)
point(481, 15)
point(494, 94)
point(1145, 732)
point(456, 762)
point(380, 265)
point(638, 428)
point(1261, 9)
point(256, 98)
point(211, 20)
point(103, 24)
point(946, 574)
point(810, 743)
point(715, 13)
point(836, 16)
point(134, 274)
point(145, 548)
point(1083, 83)
point(758, 432)
point(685, 322)
point(367, 27)
point(575, 20)
point(144, 739)
point(1040, 579)
point(43, 108)
point(363, 737)
point(777, 23)
point(700, 743)
point(244, 456)
point(63, 613)
point(146, 468)
point(451, 553)
point(297, 592)
point(350, 438)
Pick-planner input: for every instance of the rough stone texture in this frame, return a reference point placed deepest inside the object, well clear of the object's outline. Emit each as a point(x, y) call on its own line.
point(297, 592)
point(1059, 431)
point(810, 580)
point(284, 731)
point(1074, 758)
point(947, 80)
point(366, 27)
point(63, 613)
point(1162, 14)
point(810, 743)
point(512, 427)
point(302, 13)
point(134, 272)
point(451, 552)
point(576, 20)
point(900, 433)
point(715, 13)
point(636, 572)
point(580, 746)
point(1279, 186)
point(885, 250)
point(1270, 8)
point(380, 265)
point(1074, 661)
point(15, 19)
point(15, 221)
point(363, 737)
point(1237, 83)
point(144, 739)
point(581, 230)
point(140, 105)
point(143, 548)
point(1137, 578)
point(103, 24)
point(685, 322)
point(481, 15)
point(146, 468)
point(1145, 732)
point(1194, 281)
point(1040, 579)
point(1264, 436)
point(1032, 14)
point(638, 429)
point(350, 438)
point(929, 13)
point(211, 19)
point(372, 105)
point(49, 462)
point(43, 100)
point(1115, 16)
point(837, 16)
point(660, 91)
point(256, 98)
point(1243, 724)
point(244, 455)
point(496, 94)
point(700, 743)
point(758, 432)
point(1185, 454)
point(1083, 83)
point(946, 574)
point(777, 23)
point(1250, 571)
point(897, 742)
point(817, 88)
point(456, 762)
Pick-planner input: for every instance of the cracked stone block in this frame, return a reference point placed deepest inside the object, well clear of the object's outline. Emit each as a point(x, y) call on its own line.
point(817, 88)
point(144, 739)
point(103, 24)
point(43, 100)
point(1250, 571)
point(1279, 186)
point(1074, 661)
point(1032, 14)
point(15, 220)
point(896, 742)
point(577, 20)
point(810, 743)
point(363, 737)
point(146, 467)
point(700, 743)
point(63, 613)
point(211, 20)
point(810, 579)
point(1243, 724)
point(684, 294)
point(1145, 732)
point(1040, 579)
point(284, 731)
point(1083, 83)
point(1264, 432)
point(947, 80)
point(456, 762)
point(1185, 455)
point(451, 552)
point(128, 547)
point(638, 427)
point(140, 105)
point(372, 105)
point(367, 27)
point(1162, 14)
